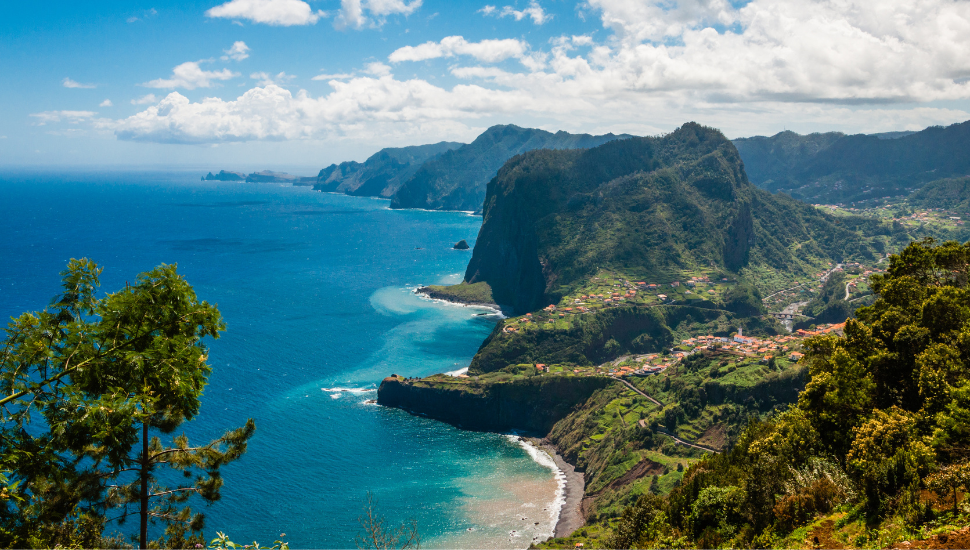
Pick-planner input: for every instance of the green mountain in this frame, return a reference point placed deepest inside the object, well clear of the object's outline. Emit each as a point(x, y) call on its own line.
point(951, 194)
point(656, 209)
point(457, 179)
point(835, 168)
point(771, 160)
point(382, 173)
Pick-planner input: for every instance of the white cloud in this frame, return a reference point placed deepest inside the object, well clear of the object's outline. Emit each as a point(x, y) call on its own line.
point(534, 11)
point(357, 14)
point(68, 83)
point(72, 117)
point(793, 50)
point(190, 76)
point(237, 52)
point(145, 14)
point(271, 12)
point(377, 69)
point(106, 103)
point(807, 65)
point(336, 76)
point(489, 51)
point(145, 100)
point(265, 79)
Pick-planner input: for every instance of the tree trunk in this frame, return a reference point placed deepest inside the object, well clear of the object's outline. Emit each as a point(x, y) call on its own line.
point(143, 539)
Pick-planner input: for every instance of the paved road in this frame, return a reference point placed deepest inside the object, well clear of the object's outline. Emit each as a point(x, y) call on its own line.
point(634, 388)
point(685, 443)
point(643, 423)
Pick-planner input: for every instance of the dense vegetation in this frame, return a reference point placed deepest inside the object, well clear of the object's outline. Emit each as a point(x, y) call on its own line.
point(383, 173)
point(595, 338)
point(874, 452)
point(456, 180)
point(835, 168)
point(950, 194)
point(657, 209)
point(829, 304)
point(94, 389)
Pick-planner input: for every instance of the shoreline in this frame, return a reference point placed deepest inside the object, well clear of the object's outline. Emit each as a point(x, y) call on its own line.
point(570, 514)
point(495, 308)
point(569, 496)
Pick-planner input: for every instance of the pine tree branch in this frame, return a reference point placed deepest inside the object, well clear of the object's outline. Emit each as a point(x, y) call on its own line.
point(70, 370)
point(186, 450)
point(163, 493)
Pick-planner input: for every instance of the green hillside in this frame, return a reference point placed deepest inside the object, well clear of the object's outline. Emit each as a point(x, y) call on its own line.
point(655, 209)
point(382, 173)
point(768, 161)
point(873, 452)
point(457, 179)
point(836, 168)
point(950, 194)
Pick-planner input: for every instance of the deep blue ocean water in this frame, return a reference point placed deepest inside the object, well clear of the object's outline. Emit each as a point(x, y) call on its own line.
point(316, 291)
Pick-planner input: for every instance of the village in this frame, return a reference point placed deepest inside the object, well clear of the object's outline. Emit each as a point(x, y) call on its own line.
point(610, 290)
point(746, 349)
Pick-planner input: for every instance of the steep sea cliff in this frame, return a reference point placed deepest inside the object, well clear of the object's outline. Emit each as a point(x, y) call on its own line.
point(532, 404)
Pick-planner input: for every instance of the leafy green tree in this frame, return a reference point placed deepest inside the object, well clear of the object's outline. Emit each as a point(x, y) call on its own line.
point(106, 377)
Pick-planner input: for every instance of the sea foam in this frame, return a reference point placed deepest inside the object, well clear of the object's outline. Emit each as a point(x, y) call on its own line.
point(541, 457)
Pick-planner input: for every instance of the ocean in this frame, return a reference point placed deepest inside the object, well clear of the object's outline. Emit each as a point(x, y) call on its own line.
point(317, 293)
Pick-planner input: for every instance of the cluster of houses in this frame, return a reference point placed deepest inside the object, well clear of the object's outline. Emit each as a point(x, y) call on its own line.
point(737, 344)
point(766, 348)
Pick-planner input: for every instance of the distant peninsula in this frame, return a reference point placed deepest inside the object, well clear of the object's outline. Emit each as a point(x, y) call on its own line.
point(266, 176)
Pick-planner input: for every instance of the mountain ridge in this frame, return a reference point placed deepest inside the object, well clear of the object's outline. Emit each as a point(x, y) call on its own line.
point(457, 179)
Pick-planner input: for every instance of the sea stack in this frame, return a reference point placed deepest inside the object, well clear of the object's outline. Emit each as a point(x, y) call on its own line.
point(461, 245)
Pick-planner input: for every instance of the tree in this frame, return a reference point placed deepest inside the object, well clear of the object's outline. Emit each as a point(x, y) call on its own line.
point(105, 375)
point(377, 535)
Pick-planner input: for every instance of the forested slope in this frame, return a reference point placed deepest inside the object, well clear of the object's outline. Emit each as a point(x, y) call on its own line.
point(457, 179)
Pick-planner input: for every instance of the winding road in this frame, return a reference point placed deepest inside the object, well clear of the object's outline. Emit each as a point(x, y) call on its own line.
point(664, 431)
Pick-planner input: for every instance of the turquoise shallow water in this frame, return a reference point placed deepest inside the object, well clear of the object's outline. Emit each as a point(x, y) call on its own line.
point(316, 292)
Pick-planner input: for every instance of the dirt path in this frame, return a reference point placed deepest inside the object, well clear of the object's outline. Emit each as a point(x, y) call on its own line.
point(634, 388)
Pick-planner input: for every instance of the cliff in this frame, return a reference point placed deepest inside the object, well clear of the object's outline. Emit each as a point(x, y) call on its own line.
point(653, 208)
point(457, 179)
point(382, 174)
point(532, 403)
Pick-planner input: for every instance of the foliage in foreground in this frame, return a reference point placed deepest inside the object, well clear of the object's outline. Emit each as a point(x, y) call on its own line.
point(881, 431)
point(95, 389)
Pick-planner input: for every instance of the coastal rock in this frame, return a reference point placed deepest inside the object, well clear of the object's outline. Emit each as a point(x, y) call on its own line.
point(533, 404)
point(224, 175)
point(461, 245)
point(268, 176)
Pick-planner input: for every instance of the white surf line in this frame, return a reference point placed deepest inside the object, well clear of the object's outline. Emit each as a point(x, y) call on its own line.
point(542, 458)
point(421, 295)
point(336, 392)
point(458, 372)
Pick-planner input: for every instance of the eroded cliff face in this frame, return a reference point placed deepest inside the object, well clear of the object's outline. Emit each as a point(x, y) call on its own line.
point(534, 404)
point(553, 217)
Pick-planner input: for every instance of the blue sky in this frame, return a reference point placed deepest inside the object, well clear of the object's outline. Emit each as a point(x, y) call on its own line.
point(231, 84)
